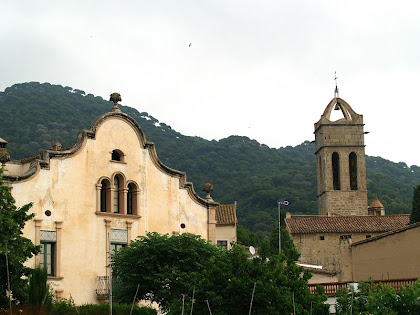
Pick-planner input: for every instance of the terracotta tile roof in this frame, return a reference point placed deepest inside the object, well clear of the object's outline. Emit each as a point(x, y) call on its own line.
point(346, 224)
point(226, 215)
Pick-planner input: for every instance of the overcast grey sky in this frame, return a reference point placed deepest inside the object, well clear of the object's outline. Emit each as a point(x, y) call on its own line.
point(262, 69)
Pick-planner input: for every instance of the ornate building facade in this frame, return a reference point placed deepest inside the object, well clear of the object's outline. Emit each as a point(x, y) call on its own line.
point(98, 195)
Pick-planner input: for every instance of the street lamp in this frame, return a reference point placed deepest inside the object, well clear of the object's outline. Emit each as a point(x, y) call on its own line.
point(279, 203)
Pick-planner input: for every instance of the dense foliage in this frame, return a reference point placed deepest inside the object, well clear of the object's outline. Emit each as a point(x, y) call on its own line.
point(377, 299)
point(67, 307)
point(241, 169)
point(38, 287)
point(415, 210)
point(175, 271)
point(14, 248)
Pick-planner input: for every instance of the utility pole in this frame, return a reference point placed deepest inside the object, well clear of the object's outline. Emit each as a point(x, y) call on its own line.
point(279, 203)
point(8, 282)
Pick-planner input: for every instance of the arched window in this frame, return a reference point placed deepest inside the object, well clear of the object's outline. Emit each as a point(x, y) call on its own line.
point(321, 170)
point(105, 188)
point(336, 170)
point(353, 170)
point(117, 155)
point(116, 194)
point(131, 199)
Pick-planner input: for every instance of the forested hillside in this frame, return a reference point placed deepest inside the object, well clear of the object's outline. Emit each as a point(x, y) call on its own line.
point(241, 169)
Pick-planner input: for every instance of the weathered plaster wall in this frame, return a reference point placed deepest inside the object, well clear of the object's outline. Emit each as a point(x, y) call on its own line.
point(226, 233)
point(332, 253)
point(395, 256)
point(69, 190)
point(319, 277)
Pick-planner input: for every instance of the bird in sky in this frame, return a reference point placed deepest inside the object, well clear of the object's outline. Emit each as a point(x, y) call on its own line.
point(190, 45)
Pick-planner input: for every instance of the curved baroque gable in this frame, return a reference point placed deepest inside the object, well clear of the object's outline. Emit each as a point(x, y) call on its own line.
point(43, 159)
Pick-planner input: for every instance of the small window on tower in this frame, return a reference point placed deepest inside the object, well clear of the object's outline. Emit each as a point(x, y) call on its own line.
point(353, 170)
point(322, 237)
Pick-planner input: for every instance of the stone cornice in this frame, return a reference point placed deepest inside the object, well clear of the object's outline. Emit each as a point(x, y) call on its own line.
point(118, 215)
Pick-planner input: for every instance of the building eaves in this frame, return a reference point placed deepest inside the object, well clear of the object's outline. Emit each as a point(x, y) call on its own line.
point(386, 234)
point(346, 224)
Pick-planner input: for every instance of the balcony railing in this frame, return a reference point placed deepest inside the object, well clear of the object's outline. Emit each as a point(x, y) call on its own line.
point(331, 288)
point(102, 288)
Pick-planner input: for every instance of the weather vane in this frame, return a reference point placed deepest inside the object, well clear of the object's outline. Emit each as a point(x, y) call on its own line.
point(337, 105)
point(336, 87)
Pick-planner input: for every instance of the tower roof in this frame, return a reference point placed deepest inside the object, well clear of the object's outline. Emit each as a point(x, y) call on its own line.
point(376, 204)
point(349, 115)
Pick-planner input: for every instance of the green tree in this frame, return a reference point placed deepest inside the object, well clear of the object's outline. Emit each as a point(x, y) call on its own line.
point(169, 270)
point(38, 287)
point(415, 211)
point(287, 246)
point(14, 248)
point(246, 237)
point(164, 267)
point(371, 298)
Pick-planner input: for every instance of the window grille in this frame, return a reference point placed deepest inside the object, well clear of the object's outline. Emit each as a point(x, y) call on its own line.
point(48, 236)
point(118, 236)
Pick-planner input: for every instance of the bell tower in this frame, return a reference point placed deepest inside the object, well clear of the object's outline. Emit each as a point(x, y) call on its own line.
point(340, 160)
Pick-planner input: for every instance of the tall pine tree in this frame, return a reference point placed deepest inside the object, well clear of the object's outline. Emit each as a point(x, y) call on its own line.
point(415, 212)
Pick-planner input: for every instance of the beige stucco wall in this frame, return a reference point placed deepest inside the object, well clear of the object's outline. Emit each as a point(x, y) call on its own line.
point(319, 277)
point(395, 256)
point(68, 189)
point(226, 233)
point(332, 253)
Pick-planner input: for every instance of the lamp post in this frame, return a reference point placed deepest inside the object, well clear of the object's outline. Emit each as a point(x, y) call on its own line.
point(279, 203)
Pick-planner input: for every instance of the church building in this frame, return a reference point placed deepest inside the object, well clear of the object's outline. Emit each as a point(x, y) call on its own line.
point(344, 217)
point(101, 193)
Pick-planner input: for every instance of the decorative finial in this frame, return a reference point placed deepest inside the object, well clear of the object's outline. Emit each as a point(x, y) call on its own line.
point(115, 98)
point(4, 155)
point(208, 188)
point(56, 145)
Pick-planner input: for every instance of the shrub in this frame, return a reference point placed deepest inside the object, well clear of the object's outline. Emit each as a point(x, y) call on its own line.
point(67, 307)
point(38, 287)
